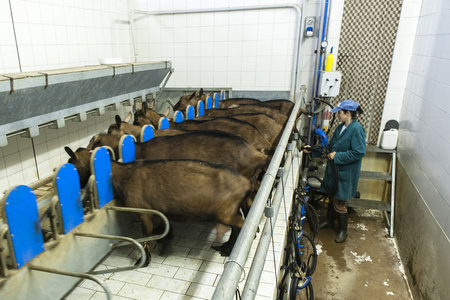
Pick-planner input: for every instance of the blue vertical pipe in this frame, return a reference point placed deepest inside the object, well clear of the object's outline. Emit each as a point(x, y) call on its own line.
point(324, 28)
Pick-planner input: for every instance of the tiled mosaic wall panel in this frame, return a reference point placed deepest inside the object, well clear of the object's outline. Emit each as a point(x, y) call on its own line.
point(368, 33)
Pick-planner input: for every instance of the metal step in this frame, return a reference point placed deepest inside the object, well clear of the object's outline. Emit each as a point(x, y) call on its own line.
point(376, 175)
point(369, 204)
point(378, 150)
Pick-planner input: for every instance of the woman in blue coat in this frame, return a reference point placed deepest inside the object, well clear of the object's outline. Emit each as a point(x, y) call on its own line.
point(346, 148)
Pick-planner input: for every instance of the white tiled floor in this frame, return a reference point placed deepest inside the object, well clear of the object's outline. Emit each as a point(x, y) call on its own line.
point(190, 270)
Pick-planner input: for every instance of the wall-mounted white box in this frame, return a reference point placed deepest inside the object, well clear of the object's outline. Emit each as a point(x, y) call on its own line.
point(329, 83)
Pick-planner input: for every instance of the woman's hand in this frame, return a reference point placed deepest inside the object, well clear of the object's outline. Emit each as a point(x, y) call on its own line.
point(307, 149)
point(331, 155)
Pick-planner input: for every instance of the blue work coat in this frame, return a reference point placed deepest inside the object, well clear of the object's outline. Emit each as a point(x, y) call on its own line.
point(350, 148)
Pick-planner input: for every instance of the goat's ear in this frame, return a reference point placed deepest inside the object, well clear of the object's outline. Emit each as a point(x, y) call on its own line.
point(152, 104)
point(166, 113)
point(193, 95)
point(70, 152)
point(128, 117)
point(144, 107)
point(199, 93)
point(118, 120)
point(209, 94)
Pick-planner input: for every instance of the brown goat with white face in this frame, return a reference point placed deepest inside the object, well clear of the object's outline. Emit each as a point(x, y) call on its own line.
point(184, 190)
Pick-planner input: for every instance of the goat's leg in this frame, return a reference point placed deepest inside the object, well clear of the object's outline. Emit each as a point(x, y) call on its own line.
point(235, 222)
point(226, 248)
point(147, 229)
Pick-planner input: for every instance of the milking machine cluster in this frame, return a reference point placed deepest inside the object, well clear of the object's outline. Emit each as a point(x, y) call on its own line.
point(300, 251)
point(300, 258)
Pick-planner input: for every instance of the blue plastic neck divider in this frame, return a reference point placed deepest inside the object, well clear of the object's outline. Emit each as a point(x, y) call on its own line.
point(216, 100)
point(164, 123)
point(103, 176)
point(21, 212)
point(208, 102)
point(200, 108)
point(128, 149)
point(69, 194)
point(190, 113)
point(178, 117)
point(147, 133)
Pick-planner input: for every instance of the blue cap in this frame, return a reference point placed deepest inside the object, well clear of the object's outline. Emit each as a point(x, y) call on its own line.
point(349, 105)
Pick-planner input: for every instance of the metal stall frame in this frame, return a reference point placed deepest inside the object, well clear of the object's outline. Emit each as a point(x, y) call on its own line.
point(234, 266)
point(298, 31)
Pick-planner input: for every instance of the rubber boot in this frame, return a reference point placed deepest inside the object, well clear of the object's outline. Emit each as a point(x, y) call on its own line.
point(331, 216)
point(343, 222)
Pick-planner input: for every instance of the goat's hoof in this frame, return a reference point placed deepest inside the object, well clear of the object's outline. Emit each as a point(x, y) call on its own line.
point(217, 248)
point(224, 249)
point(146, 263)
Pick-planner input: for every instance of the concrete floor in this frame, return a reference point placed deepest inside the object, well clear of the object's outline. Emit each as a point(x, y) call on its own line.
point(365, 266)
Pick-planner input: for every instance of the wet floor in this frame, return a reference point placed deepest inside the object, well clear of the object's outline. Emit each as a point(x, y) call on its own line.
point(365, 266)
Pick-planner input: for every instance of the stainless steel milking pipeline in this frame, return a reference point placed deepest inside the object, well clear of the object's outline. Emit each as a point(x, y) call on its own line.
point(254, 275)
point(298, 31)
point(235, 264)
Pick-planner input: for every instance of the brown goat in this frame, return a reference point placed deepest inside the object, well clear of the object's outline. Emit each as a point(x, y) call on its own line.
point(124, 128)
point(248, 108)
point(267, 125)
point(282, 105)
point(183, 190)
point(244, 129)
point(191, 99)
point(215, 147)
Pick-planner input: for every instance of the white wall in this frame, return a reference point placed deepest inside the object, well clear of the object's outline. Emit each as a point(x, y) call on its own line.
point(60, 34)
point(403, 50)
point(52, 35)
point(251, 50)
point(25, 160)
point(424, 141)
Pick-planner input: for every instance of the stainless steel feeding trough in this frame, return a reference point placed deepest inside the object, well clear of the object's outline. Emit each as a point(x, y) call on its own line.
point(31, 100)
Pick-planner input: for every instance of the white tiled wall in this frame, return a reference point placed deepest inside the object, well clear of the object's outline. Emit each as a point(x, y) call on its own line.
point(59, 34)
point(25, 160)
point(251, 50)
point(53, 35)
point(424, 139)
point(406, 36)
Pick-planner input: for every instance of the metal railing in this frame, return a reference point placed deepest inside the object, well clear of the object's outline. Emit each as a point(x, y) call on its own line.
point(234, 266)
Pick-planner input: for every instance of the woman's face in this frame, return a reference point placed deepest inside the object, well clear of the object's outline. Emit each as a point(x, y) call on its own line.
point(343, 116)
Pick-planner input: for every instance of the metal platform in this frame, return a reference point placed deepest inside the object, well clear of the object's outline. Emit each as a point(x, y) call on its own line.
point(375, 175)
point(369, 204)
point(386, 206)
